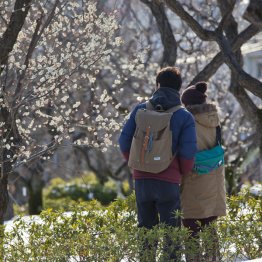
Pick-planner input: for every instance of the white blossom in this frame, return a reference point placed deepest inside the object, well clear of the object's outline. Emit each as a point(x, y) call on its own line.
point(77, 104)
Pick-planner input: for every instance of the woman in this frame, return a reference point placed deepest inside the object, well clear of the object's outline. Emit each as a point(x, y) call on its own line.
point(203, 197)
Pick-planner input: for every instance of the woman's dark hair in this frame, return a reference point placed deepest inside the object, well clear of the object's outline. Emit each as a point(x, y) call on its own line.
point(169, 77)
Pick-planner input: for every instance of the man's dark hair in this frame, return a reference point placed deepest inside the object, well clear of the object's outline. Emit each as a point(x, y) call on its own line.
point(169, 77)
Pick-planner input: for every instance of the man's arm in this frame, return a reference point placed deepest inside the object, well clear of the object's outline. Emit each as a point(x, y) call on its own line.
point(187, 145)
point(126, 136)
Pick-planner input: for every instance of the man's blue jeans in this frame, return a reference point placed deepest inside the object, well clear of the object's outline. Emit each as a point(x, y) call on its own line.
point(157, 201)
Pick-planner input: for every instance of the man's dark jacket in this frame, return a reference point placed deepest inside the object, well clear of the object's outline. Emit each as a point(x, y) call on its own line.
point(183, 137)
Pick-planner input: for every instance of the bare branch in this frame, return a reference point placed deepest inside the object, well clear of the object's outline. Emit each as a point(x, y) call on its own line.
point(52, 146)
point(245, 80)
point(164, 27)
point(218, 60)
point(4, 20)
point(177, 8)
point(227, 22)
point(253, 13)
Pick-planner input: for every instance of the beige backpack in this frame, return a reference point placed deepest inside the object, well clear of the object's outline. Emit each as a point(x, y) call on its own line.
point(151, 148)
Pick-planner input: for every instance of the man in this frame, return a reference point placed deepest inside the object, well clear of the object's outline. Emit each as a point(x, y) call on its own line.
point(157, 195)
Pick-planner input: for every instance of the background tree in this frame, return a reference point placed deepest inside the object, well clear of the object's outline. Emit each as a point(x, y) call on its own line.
point(55, 51)
point(213, 25)
point(7, 43)
point(73, 70)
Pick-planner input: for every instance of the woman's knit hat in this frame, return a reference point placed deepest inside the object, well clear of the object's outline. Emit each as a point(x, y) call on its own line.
point(195, 94)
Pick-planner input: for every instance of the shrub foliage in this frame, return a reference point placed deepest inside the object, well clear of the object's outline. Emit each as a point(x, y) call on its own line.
point(91, 232)
point(62, 195)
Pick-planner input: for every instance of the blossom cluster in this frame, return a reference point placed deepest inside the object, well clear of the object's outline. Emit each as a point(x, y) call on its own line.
point(51, 79)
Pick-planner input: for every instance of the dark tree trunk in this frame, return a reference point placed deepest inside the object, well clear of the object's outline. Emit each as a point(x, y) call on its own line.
point(7, 132)
point(5, 156)
point(7, 42)
point(260, 146)
point(2, 233)
point(35, 188)
point(3, 198)
point(9, 213)
point(35, 197)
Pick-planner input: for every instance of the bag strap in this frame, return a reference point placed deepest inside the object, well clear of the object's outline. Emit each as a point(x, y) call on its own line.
point(218, 135)
point(149, 106)
point(174, 109)
point(145, 145)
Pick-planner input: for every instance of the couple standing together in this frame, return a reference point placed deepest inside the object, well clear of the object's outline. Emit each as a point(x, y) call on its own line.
point(194, 127)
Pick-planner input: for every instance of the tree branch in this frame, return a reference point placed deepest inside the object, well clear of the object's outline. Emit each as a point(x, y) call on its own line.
point(210, 69)
point(177, 8)
point(165, 30)
point(253, 13)
point(50, 147)
point(35, 38)
point(28, 56)
point(15, 25)
point(245, 80)
point(238, 91)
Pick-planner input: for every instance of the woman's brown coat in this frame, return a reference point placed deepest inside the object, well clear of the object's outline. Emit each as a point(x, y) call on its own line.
point(203, 196)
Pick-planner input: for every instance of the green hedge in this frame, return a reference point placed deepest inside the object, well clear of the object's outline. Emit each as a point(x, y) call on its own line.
point(91, 232)
point(62, 194)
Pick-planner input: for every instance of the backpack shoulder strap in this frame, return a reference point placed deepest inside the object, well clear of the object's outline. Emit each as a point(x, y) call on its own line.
point(149, 106)
point(218, 135)
point(174, 109)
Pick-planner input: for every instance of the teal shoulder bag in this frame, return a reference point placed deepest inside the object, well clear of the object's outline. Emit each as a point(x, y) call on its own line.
point(210, 159)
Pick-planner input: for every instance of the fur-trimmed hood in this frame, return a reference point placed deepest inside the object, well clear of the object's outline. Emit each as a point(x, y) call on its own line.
point(205, 114)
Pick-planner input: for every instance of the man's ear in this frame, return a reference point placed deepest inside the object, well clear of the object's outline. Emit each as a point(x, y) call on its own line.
point(157, 86)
